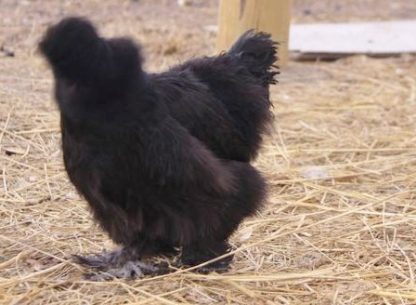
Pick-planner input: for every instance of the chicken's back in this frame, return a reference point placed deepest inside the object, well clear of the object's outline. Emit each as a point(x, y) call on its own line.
point(224, 100)
point(197, 108)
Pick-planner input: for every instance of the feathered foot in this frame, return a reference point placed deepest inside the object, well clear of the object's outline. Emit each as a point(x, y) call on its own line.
point(196, 254)
point(122, 263)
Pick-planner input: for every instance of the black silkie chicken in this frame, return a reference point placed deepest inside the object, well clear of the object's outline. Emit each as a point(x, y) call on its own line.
point(162, 159)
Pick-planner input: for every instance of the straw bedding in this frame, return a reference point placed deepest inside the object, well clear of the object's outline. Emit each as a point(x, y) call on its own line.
point(339, 224)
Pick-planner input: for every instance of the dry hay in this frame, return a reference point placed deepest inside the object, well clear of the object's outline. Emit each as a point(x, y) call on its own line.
point(340, 220)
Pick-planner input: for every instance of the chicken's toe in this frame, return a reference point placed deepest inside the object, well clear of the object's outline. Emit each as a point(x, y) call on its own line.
point(106, 260)
point(130, 270)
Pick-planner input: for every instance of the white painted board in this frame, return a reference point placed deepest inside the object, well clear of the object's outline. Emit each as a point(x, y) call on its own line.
point(376, 38)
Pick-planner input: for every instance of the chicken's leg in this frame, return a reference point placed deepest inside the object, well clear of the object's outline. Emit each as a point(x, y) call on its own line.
point(200, 252)
point(126, 262)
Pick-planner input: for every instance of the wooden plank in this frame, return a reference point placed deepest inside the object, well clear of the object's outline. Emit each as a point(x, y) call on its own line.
point(237, 16)
point(339, 39)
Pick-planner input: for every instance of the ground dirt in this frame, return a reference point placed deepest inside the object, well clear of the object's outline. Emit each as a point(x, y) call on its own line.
point(339, 223)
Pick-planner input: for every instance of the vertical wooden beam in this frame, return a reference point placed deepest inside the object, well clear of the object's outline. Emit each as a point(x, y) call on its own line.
point(271, 16)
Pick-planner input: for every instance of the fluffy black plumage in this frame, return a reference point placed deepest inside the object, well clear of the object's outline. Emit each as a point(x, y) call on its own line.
point(162, 159)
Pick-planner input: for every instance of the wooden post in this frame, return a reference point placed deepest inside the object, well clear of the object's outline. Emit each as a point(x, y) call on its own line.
point(271, 16)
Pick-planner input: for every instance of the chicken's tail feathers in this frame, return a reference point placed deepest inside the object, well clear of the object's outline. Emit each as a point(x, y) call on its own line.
point(75, 51)
point(258, 52)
